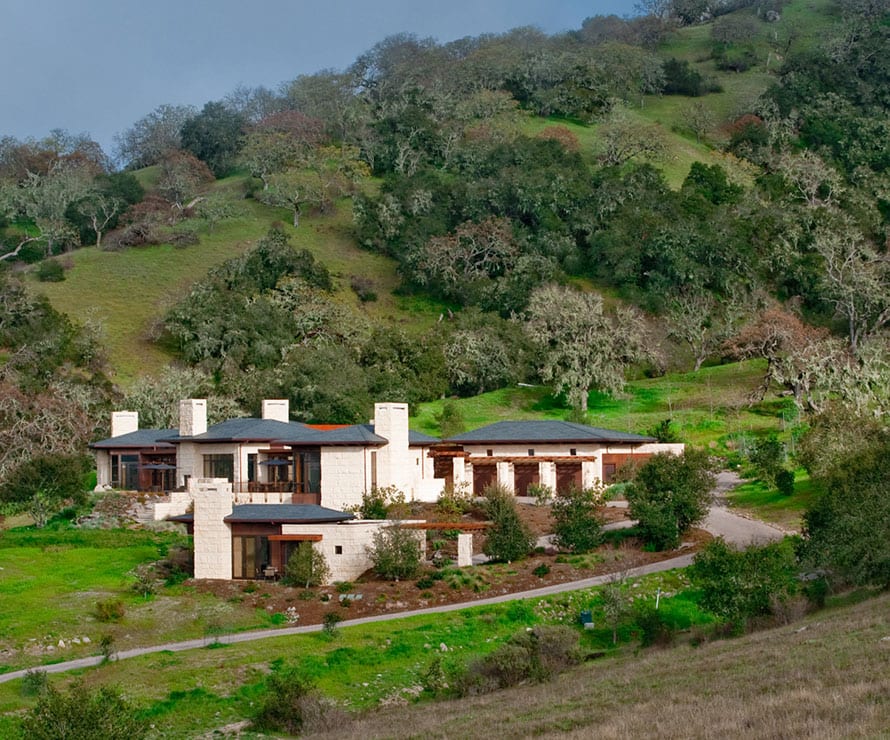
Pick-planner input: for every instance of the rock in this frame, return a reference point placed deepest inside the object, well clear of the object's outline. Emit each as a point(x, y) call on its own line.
point(443, 647)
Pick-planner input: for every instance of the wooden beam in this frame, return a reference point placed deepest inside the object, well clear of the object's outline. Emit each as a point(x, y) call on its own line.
point(295, 538)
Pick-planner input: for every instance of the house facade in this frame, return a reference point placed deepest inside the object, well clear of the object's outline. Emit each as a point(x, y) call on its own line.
point(521, 455)
point(252, 490)
point(270, 460)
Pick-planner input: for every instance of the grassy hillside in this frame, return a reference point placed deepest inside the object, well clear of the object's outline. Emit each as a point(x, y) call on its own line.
point(707, 407)
point(126, 292)
point(823, 677)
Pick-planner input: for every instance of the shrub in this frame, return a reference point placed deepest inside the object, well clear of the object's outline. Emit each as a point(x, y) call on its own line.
point(741, 584)
point(454, 502)
point(768, 457)
point(363, 287)
point(306, 567)
point(535, 655)
point(50, 271)
point(81, 713)
point(670, 494)
point(110, 610)
point(654, 630)
point(508, 538)
point(34, 682)
point(542, 495)
point(785, 482)
point(425, 582)
point(58, 477)
point(541, 570)
point(380, 503)
point(576, 523)
point(395, 553)
point(329, 624)
point(282, 703)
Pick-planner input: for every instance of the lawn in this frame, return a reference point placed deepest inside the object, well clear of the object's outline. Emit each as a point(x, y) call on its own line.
point(771, 505)
point(361, 668)
point(709, 407)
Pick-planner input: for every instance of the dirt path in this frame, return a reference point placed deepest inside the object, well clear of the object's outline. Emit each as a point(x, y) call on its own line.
point(721, 522)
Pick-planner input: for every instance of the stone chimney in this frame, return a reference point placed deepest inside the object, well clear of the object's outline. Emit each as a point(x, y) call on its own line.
point(124, 422)
point(276, 409)
point(192, 417)
point(393, 463)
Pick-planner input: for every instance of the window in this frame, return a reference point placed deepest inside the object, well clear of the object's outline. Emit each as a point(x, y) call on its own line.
point(250, 555)
point(220, 466)
point(489, 453)
point(531, 453)
point(251, 467)
point(373, 469)
point(125, 472)
point(338, 549)
point(307, 471)
point(573, 452)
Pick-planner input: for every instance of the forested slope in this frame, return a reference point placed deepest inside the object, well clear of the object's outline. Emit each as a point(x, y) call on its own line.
point(699, 186)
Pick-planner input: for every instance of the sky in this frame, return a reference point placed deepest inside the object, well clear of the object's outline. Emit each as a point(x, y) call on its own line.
point(97, 66)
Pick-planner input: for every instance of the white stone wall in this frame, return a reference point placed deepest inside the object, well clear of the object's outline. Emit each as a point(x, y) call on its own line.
point(277, 409)
point(213, 537)
point(395, 465)
point(192, 417)
point(353, 540)
point(124, 422)
point(345, 476)
point(177, 504)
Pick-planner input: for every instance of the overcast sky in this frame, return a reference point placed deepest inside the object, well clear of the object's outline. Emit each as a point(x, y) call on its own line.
point(97, 66)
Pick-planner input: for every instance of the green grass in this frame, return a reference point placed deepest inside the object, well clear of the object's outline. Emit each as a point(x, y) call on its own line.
point(773, 506)
point(707, 407)
point(51, 581)
point(126, 293)
point(195, 691)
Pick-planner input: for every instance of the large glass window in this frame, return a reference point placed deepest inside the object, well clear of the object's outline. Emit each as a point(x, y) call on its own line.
point(219, 466)
point(250, 555)
point(125, 472)
point(307, 471)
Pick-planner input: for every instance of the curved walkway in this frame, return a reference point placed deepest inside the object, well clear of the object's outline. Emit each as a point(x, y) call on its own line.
point(720, 522)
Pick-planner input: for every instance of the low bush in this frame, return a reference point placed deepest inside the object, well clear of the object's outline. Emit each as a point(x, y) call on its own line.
point(508, 537)
point(535, 655)
point(283, 701)
point(82, 713)
point(306, 567)
point(395, 553)
point(576, 524)
point(50, 271)
point(110, 610)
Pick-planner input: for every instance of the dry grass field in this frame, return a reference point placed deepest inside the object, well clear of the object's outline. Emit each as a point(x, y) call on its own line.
point(825, 676)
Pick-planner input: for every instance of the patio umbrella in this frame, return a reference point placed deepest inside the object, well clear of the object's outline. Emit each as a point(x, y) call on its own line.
point(275, 461)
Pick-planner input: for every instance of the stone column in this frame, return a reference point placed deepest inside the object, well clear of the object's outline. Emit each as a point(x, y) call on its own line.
point(591, 473)
point(547, 475)
point(464, 550)
point(213, 537)
point(505, 476)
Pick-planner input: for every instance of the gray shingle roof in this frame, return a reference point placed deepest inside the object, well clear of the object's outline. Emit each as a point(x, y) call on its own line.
point(543, 432)
point(257, 430)
point(357, 434)
point(139, 438)
point(286, 513)
point(420, 439)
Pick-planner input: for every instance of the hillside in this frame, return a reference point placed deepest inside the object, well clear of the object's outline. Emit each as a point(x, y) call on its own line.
point(124, 294)
point(822, 677)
